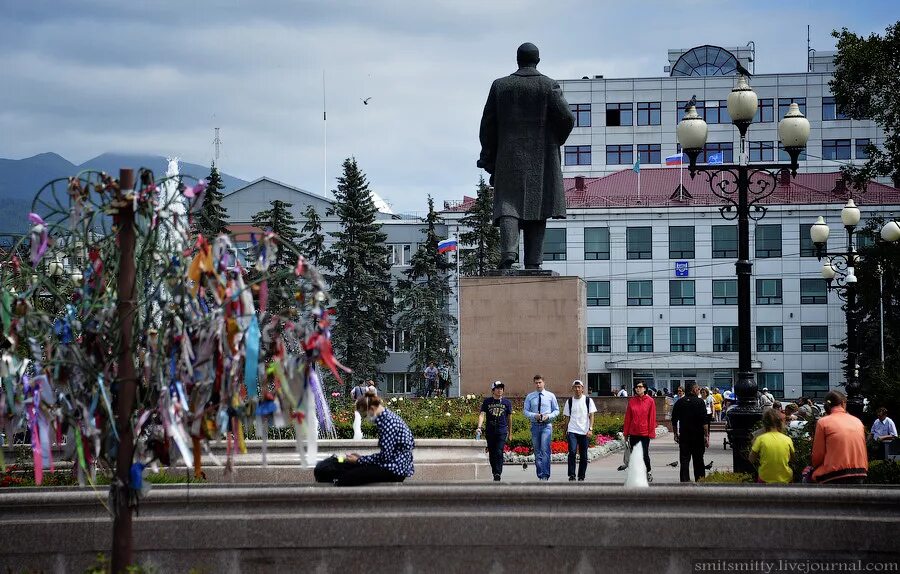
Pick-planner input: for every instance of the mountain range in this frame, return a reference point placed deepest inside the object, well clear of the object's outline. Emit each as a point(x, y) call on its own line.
point(21, 179)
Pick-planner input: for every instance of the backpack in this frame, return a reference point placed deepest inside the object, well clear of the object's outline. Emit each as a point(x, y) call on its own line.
point(330, 469)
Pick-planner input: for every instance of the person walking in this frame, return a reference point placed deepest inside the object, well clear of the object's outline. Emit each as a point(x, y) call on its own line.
point(541, 409)
point(359, 391)
point(580, 410)
point(839, 446)
point(640, 423)
point(773, 450)
point(718, 400)
point(431, 378)
point(496, 412)
point(766, 399)
point(690, 427)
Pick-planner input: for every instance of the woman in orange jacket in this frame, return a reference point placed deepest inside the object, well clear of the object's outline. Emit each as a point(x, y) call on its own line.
point(640, 423)
point(839, 446)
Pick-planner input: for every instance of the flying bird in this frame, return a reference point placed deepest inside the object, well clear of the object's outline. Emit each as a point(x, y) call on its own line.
point(673, 464)
point(622, 467)
point(366, 101)
point(742, 70)
point(691, 103)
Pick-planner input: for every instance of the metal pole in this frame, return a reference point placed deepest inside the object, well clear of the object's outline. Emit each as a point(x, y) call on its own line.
point(881, 310)
point(854, 399)
point(458, 322)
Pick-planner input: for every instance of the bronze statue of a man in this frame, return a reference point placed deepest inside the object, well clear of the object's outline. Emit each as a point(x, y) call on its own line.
point(525, 121)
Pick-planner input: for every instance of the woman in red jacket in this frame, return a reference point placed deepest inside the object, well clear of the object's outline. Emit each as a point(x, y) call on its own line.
point(640, 423)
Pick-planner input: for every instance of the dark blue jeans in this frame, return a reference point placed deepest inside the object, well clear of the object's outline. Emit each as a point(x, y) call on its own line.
point(579, 442)
point(495, 444)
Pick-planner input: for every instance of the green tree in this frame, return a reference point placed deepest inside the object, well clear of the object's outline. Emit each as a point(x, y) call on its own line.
point(312, 239)
point(212, 217)
point(866, 85)
point(359, 274)
point(423, 299)
point(482, 236)
point(279, 219)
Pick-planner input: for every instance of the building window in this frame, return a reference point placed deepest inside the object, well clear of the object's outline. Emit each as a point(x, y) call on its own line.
point(555, 244)
point(784, 104)
point(638, 243)
point(785, 156)
point(681, 242)
point(765, 111)
point(813, 292)
point(862, 145)
point(596, 243)
point(724, 241)
point(726, 149)
point(814, 338)
point(681, 293)
point(724, 292)
point(582, 115)
point(769, 339)
point(600, 384)
point(835, 149)
point(578, 155)
point(396, 383)
point(400, 342)
point(814, 385)
point(829, 110)
point(774, 382)
point(619, 155)
point(683, 339)
point(865, 239)
point(807, 247)
point(640, 293)
point(768, 241)
point(649, 154)
point(725, 339)
point(640, 339)
point(400, 254)
point(619, 115)
point(648, 113)
point(768, 291)
point(598, 293)
point(762, 151)
point(717, 112)
point(679, 110)
point(598, 340)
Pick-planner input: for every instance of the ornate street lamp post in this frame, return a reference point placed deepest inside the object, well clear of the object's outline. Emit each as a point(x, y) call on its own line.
point(742, 188)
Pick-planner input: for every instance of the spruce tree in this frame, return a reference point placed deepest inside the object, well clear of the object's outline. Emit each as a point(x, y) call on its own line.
point(483, 237)
point(312, 239)
point(423, 298)
point(358, 271)
point(212, 217)
point(280, 221)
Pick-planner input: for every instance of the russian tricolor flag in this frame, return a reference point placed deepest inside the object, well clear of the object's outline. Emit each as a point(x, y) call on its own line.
point(446, 245)
point(676, 159)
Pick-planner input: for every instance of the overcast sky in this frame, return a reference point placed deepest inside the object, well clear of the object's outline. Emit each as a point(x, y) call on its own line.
point(80, 78)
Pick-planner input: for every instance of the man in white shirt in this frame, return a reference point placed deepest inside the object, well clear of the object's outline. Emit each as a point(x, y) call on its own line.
point(883, 431)
point(580, 409)
point(622, 392)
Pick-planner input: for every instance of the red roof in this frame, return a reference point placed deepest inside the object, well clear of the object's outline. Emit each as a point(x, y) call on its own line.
point(659, 188)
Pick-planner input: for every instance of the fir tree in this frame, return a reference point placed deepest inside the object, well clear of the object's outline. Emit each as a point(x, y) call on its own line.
point(423, 298)
point(212, 217)
point(483, 237)
point(359, 275)
point(312, 240)
point(280, 221)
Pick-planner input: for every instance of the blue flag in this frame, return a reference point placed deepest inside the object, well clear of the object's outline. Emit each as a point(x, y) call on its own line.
point(715, 158)
point(637, 165)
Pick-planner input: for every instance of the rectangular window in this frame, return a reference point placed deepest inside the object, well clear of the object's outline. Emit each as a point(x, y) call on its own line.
point(769, 339)
point(619, 155)
point(600, 384)
point(555, 244)
point(640, 293)
point(762, 151)
point(396, 383)
point(724, 241)
point(726, 149)
point(862, 151)
point(865, 239)
point(400, 254)
point(400, 342)
point(619, 115)
point(638, 243)
point(768, 241)
point(829, 110)
point(725, 339)
point(784, 104)
point(679, 110)
point(774, 382)
point(724, 291)
point(649, 154)
point(681, 293)
point(648, 113)
point(683, 339)
point(807, 247)
point(598, 293)
point(814, 385)
point(765, 111)
point(640, 339)
point(582, 115)
point(768, 291)
point(717, 112)
point(813, 292)
point(814, 338)
point(598, 340)
point(596, 243)
point(681, 242)
point(578, 155)
point(835, 149)
point(784, 156)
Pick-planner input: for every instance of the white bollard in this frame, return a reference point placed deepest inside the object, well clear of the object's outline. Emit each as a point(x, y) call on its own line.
point(312, 430)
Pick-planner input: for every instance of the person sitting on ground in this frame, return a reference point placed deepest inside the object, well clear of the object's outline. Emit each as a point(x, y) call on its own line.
point(394, 460)
point(773, 450)
point(839, 447)
point(883, 431)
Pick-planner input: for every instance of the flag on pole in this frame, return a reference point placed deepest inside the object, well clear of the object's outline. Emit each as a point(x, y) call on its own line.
point(715, 158)
point(637, 166)
point(676, 159)
point(446, 245)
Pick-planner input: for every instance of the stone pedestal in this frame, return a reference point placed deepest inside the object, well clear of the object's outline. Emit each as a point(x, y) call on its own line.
point(514, 327)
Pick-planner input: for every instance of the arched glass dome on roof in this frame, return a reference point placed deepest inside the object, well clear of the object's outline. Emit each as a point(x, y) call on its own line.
point(705, 61)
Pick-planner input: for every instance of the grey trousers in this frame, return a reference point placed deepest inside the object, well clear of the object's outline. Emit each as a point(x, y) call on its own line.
point(533, 232)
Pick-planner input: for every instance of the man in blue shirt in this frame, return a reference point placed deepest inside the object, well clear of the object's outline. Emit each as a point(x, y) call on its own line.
point(541, 408)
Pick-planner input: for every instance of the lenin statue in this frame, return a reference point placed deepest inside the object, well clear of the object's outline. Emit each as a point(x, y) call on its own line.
point(525, 121)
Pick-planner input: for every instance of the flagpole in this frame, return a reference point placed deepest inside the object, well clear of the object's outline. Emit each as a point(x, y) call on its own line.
point(458, 323)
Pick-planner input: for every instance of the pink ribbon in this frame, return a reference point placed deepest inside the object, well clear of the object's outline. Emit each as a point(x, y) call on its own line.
point(39, 239)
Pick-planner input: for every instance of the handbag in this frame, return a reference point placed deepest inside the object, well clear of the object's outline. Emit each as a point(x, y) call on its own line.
point(330, 469)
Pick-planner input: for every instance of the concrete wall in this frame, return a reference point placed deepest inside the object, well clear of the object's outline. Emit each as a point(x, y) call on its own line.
point(516, 327)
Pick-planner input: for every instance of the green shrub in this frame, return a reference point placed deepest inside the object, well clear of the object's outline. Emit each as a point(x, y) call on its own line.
point(884, 472)
point(727, 478)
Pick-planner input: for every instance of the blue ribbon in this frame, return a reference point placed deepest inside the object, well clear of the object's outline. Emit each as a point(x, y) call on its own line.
point(251, 358)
